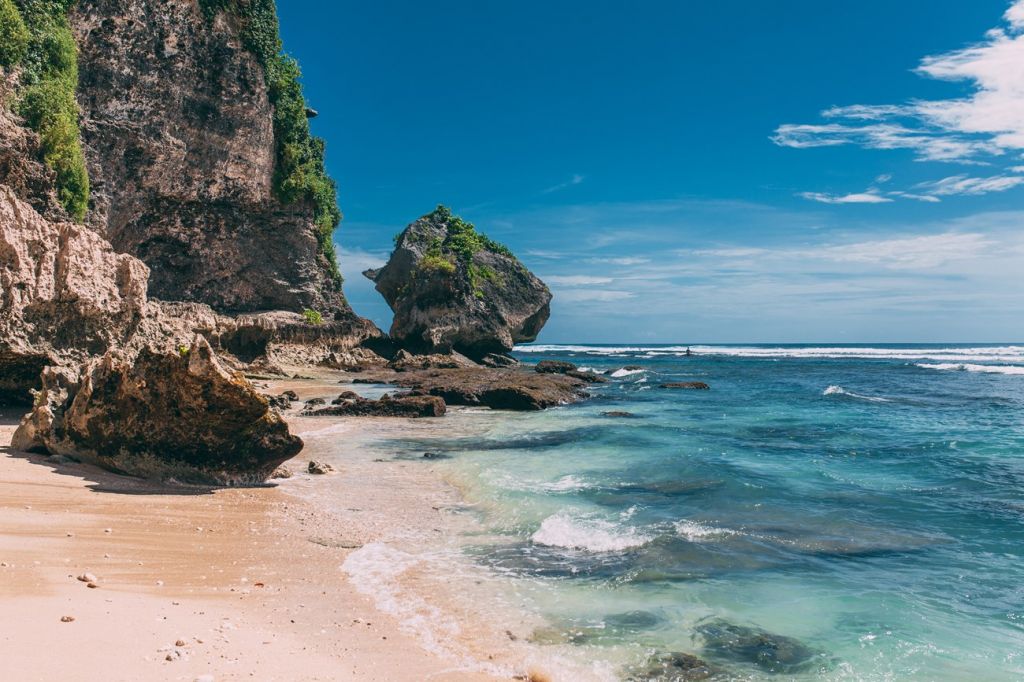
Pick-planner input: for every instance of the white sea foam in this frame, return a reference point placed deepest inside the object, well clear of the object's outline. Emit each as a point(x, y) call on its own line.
point(699, 532)
point(1004, 354)
point(588, 534)
point(619, 373)
point(376, 570)
point(839, 390)
point(967, 367)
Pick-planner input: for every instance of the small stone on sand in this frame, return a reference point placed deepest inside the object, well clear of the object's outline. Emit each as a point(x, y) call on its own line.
point(87, 578)
point(67, 619)
point(179, 642)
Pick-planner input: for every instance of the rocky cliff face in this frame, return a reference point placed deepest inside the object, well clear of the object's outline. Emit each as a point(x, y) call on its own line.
point(179, 138)
point(454, 289)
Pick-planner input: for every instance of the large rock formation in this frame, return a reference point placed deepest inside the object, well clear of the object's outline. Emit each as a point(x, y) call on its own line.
point(177, 415)
point(453, 289)
point(179, 137)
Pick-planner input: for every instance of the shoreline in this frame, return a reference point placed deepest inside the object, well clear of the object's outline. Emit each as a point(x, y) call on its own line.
point(242, 583)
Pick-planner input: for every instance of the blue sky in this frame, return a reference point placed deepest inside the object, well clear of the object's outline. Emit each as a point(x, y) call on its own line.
point(692, 172)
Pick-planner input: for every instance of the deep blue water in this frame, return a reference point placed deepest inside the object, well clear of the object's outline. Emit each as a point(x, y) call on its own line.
point(848, 512)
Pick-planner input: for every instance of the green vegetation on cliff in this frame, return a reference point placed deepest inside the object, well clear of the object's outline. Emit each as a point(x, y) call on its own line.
point(460, 244)
point(14, 35)
point(299, 172)
point(45, 49)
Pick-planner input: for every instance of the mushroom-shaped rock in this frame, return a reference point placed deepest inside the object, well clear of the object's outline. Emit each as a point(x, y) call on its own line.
point(177, 415)
point(452, 288)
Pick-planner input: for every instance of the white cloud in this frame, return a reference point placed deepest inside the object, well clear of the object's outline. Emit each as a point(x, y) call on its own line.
point(1016, 169)
point(583, 295)
point(627, 260)
point(921, 252)
point(576, 179)
point(576, 280)
point(963, 184)
point(858, 198)
point(357, 260)
point(980, 128)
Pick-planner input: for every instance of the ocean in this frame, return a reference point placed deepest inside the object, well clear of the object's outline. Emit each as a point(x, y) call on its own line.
point(821, 513)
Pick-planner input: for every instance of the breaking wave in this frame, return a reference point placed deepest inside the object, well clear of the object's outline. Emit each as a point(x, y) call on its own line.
point(965, 367)
point(587, 534)
point(839, 390)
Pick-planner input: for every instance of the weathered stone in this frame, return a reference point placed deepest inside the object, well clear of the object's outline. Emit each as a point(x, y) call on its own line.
point(498, 360)
point(405, 361)
point(314, 402)
point(500, 389)
point(554, 367)
point(177, 416)
point(407, 406)
point(345, 395)
point(589, 377)
point(453, 290)
point(319, 468)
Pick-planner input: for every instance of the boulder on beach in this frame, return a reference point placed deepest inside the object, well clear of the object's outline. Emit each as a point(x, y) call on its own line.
point(178, 415)
point(452, 288)
point(554, 367)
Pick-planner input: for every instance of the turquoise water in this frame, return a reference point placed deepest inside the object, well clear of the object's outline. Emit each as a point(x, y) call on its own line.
point(820, 513)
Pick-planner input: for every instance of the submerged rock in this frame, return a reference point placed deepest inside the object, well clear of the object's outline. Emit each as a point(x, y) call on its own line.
point(692, 385)
point(768, 651)
point(178, 416)
point(452, 288)
point(673, 667)
point(619, 414)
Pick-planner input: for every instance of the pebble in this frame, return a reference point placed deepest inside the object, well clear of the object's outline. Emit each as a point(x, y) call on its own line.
point(108, 530)
point(67, 619)
point(87, 578)
point(179, 642)
point(91, 586)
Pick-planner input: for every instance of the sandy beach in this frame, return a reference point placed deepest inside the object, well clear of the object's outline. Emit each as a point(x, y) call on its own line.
point(225, 584)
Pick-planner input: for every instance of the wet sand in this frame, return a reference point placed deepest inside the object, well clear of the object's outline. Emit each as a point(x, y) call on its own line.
point(224, 584)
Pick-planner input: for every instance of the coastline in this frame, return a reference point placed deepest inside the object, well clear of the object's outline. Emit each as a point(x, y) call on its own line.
point(252, 581)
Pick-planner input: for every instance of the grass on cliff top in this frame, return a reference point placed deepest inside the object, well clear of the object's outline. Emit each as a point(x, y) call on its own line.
point(460, 244)
point(299, 172)
point(43, 46)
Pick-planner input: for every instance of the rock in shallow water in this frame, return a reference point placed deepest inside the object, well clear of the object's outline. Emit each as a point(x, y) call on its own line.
point(173, 416)
point(691, 385)
point(405, 406)
point(674, 667)
point(768, 651)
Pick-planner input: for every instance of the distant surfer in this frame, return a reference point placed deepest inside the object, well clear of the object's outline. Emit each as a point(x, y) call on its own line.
point(688, 352)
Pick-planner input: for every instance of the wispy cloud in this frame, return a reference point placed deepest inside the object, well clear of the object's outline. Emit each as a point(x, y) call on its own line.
point(577, 280)
point(858, 198)
point(576, 179)
point(963, 184)
point(979, 129)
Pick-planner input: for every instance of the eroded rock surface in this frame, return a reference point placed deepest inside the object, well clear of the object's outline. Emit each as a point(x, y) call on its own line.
point(453, 289)
point(178, 134)
point(179, 416)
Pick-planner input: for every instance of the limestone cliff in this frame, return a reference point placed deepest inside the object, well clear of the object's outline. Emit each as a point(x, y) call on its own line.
point(452, 288)
point(185, 151)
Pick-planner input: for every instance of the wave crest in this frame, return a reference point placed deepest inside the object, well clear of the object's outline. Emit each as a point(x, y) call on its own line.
point(587, 534)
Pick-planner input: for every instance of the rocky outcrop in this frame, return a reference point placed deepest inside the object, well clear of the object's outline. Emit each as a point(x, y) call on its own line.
point(687, 385)
point(386, 406)
point(179, 138)
point(452, 288)
point(64, 294)
point(178, 416)
point(499, 389)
